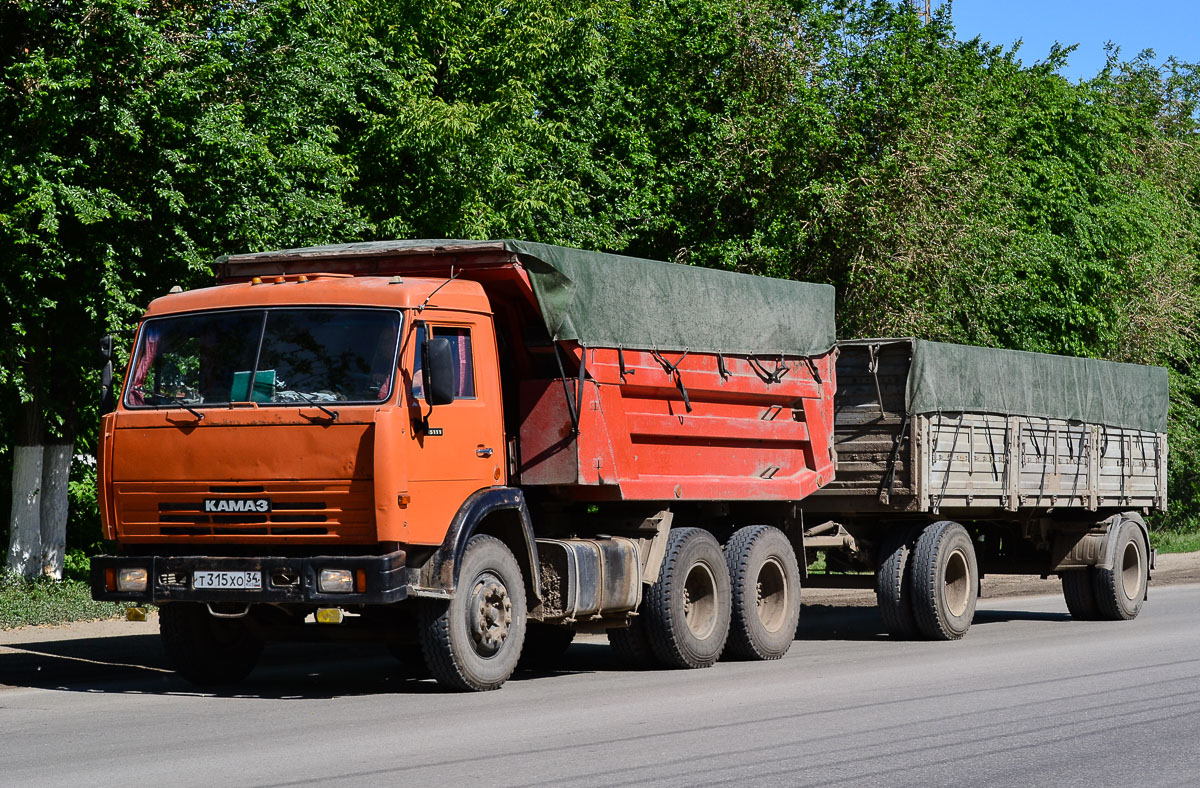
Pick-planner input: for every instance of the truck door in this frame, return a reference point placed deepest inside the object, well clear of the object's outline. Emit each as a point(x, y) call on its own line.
point(459, 446)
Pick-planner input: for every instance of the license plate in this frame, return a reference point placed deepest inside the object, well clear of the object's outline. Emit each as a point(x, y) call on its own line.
point(248, 581)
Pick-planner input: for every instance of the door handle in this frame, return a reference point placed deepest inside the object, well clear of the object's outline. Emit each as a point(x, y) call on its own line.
point(482, 452)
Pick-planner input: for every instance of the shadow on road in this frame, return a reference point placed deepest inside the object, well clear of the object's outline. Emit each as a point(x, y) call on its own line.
point(135, 664)
point(840, 622)
point(998, 616)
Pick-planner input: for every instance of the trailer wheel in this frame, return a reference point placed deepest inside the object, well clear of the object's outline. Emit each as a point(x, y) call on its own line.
point(1121, 589)
point(687, 610)
point(473, 641)
point(765, 592)
point(632, 646)
point(945, 581)
point(204, 649)
point(544, 646)
point(893, 585)
point(1079, 591)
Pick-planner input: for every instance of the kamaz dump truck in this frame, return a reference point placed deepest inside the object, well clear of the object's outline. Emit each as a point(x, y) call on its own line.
point(472, 450)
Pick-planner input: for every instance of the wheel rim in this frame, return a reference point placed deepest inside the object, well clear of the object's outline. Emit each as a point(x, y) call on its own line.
point(771, 595)
point(1131, 571)
point(957, 582)
point(700, 601)
point(491, 614)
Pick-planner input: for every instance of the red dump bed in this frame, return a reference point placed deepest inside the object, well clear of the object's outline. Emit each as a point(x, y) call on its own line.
point(744, 437)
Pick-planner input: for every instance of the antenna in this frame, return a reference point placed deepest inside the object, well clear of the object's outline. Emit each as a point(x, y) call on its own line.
point(453, 276)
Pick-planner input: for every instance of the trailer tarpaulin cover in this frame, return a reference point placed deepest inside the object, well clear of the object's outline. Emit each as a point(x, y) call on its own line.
point(608, 300)
point(962, 378)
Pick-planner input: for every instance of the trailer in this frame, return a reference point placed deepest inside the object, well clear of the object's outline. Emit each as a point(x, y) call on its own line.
point(954, 462)
point(469, 450)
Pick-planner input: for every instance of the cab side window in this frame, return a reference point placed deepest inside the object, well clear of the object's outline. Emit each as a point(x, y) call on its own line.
point(460, 349)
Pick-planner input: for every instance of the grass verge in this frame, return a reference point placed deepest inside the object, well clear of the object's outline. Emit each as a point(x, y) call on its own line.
point(1175, 541)
point(24, 603)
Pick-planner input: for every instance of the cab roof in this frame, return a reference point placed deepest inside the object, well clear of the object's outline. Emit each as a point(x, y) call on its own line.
point(328, 290)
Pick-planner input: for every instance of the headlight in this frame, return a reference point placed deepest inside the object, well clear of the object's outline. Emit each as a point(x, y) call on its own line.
point(134, 579)
point(336, 581)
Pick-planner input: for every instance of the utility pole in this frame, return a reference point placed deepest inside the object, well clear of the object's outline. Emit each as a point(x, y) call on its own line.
point(924, 9)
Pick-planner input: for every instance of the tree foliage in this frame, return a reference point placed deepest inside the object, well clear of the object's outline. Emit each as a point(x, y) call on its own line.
point(947, 188)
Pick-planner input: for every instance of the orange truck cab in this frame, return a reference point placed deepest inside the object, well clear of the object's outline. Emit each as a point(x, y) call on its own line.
point(470, 450)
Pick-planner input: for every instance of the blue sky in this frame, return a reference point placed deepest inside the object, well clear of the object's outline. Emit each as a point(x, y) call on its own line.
point(1169, 27)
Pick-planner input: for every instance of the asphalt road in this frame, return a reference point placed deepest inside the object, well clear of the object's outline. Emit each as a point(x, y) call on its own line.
point(1028, 698)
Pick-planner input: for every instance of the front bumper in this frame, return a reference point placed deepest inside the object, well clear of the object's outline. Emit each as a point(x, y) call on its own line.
point(384, 579)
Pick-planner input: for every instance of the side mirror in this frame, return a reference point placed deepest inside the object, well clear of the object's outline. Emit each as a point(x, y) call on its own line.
point(107, 402)
point(437, 365)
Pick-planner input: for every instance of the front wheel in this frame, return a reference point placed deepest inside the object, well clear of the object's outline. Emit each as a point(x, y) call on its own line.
point(204, 649)
point(945, 581)
point(473, 641)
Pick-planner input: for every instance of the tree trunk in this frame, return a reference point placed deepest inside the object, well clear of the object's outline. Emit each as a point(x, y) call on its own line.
point(25, 530)
point(55, 504)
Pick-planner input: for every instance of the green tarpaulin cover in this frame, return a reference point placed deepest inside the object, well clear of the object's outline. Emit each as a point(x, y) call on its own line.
point(609, 300)
point(956, 378)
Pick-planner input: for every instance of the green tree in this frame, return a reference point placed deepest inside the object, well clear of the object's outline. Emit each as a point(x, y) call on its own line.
point(144, 138)
point(948, 189)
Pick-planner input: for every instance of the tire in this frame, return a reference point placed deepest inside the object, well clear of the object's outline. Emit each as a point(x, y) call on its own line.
point(632, 646)
point(1121, 589)
point(544, 646)
point(945, 581)
point(473, 641)
point(204, 649)
point(1079, 591)
point(764, 591)
point(687, 611)
point(893, 585)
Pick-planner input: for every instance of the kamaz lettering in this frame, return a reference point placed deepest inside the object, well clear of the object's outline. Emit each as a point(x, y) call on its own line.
point(232, 505)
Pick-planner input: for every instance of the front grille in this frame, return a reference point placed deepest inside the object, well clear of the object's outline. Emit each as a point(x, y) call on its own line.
point(318, 510)
point(286, 518)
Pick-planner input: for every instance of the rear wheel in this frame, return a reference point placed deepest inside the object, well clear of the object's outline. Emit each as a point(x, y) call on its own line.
point(632, 646)
point(765, 593)
point(893, 585)
point(473, 641)
point(204, 649)
point(1121, 589)
point(687, 610)
point(945, 581)
point(1079, 591)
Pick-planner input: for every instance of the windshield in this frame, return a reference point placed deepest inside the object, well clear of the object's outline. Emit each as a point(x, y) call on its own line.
point(283, 356)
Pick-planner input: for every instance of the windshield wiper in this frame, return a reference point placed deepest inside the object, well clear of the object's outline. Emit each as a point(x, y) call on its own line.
point(332, 414)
